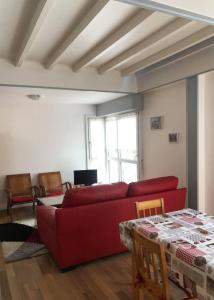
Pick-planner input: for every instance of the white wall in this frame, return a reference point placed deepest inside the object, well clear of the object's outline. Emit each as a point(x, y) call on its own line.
point(42, 137)
point(206, 142)
point(161, 158)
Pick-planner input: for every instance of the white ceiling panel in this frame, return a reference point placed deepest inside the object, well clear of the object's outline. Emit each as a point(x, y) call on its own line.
point(112, 16)
point(14, 17)
point(166, 42)
point(162, 44)
point(142, 31)
point(65, 15)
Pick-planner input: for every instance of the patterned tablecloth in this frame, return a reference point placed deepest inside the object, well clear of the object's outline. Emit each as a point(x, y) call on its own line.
point(188, 237)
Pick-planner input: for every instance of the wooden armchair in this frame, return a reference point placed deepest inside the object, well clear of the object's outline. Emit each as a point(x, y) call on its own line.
point(50, 184)
point(19, 190)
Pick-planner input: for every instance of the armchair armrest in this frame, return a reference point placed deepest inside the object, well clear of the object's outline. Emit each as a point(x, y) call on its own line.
point(9, 195)
point(43, 191)
point(46, 214)
point(67, 185)
point(8, 192)
point(36, 190)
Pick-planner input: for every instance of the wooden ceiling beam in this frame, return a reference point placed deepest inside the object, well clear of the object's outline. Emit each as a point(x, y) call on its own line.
point(108, 42)
point(187, 42)
point(153, 39)
point(75, 32)
point(34, 27)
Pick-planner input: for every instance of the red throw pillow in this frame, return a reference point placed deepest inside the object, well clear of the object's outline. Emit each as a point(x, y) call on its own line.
point(93, 194)
point(152, 186)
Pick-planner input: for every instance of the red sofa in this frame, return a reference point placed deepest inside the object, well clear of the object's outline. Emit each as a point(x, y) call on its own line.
point(86, 226)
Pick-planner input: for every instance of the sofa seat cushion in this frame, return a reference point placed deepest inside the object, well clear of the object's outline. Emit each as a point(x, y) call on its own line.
point(93, 194)
point(153, 186)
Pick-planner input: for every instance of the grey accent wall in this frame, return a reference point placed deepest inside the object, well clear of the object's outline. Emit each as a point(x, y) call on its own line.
point(124, 104)
point(183, 13)
point(192, 143)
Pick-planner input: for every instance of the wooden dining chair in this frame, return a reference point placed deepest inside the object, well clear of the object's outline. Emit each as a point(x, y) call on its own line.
point(50, 184)
point(149, 208)
point(150, 276)
point(19, 190)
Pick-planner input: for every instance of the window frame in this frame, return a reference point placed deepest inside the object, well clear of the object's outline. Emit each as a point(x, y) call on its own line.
point(119, 159)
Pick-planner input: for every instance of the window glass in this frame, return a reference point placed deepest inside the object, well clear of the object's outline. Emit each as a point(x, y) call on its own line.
point(113, 171)
point(97, 159)
point(111, 138)
point(113, 148)
point(127, 137)
point(129, 172)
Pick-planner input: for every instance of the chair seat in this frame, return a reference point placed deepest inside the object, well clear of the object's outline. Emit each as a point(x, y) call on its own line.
point(19, 199)
point(176, 293)
point(57, 193)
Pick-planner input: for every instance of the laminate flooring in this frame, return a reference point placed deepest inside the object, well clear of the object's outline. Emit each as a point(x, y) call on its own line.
point(39, 278)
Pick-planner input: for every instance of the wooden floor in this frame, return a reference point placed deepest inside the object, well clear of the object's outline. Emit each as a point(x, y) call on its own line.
point(39, 278)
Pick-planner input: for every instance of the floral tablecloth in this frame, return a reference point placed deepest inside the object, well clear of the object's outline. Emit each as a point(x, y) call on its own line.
point(188, 237)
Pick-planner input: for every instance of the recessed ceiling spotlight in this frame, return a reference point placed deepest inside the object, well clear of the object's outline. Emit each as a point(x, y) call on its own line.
point(35, 97)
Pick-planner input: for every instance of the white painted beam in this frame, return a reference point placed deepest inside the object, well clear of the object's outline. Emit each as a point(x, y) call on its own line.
point(96, 8)
point(187, 42)
point(104, 45)
point(34, 27)
point(159, 35)
point(33, 74)
point(201, 11)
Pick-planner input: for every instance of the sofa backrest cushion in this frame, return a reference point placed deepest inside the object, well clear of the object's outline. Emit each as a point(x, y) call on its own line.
point(152, 186)
point(93, 194)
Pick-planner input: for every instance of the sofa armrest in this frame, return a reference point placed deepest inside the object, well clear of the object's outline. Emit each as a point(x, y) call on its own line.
point(46, 214)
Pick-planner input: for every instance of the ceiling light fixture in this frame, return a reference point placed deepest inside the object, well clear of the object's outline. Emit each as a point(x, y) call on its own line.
point(34, 97)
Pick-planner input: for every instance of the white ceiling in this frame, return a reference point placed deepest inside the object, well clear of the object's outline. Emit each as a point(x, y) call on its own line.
point(39, 33)
point(18, 95)
point(63, 17)
point(162, 44)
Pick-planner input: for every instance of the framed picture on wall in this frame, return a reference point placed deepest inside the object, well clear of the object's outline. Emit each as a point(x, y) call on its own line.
point(173, 137)
point(156, 122)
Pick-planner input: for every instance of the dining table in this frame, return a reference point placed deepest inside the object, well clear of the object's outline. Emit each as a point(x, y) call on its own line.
point(188, 239)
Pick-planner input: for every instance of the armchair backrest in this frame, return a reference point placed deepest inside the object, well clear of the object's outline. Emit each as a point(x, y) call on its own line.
point(51, 181)
point(19, 184)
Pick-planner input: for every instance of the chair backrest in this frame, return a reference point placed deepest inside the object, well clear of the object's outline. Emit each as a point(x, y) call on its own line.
point(149, 208)
point(19, 184)
point(150, 267)
point(51, 181)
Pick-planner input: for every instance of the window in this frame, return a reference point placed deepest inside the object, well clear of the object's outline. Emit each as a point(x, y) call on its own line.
point(96, 147)
point(113, 147)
